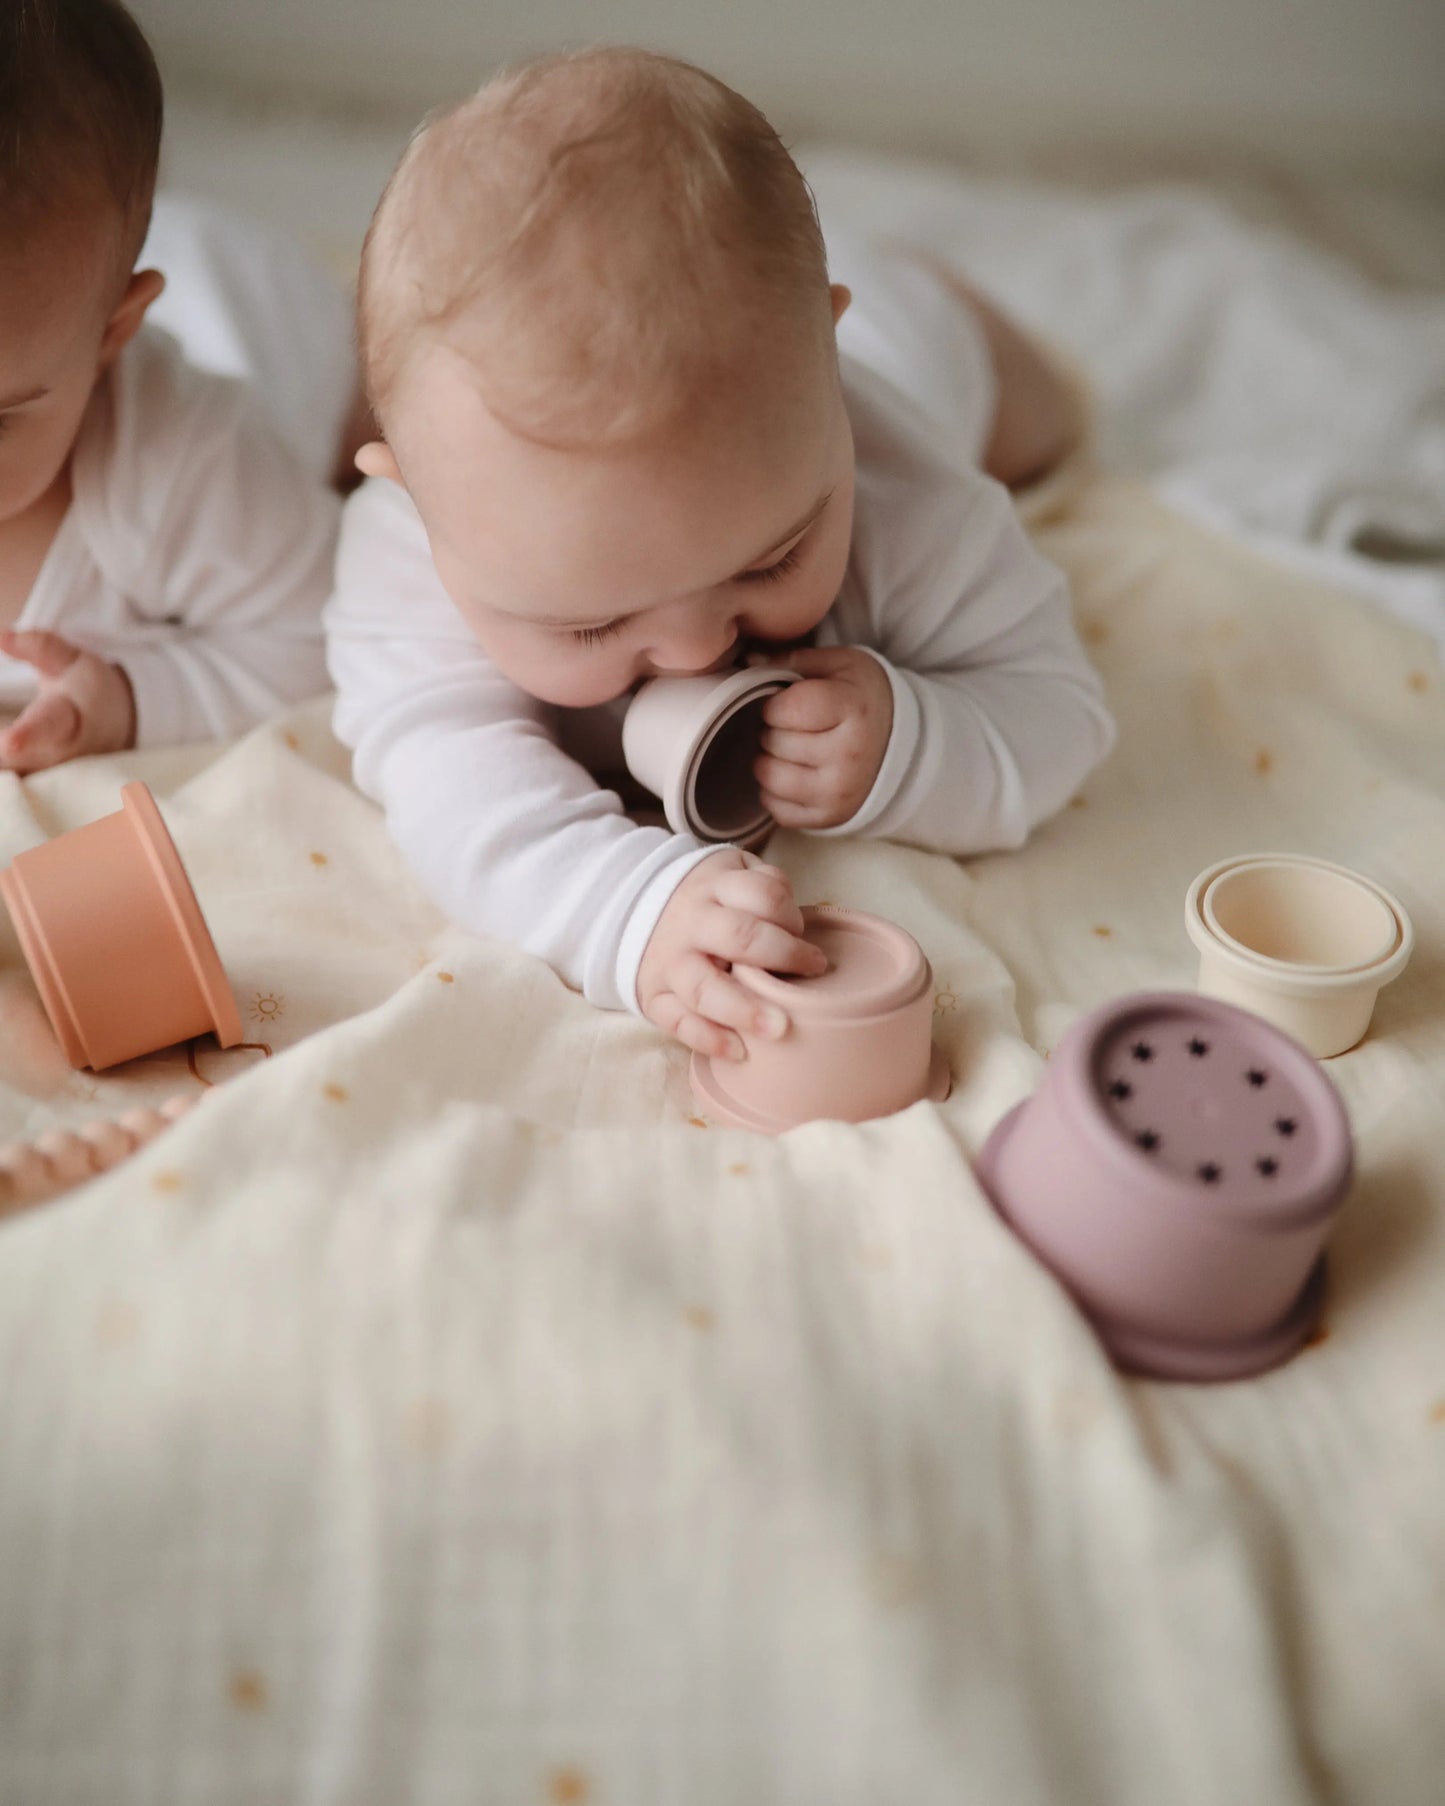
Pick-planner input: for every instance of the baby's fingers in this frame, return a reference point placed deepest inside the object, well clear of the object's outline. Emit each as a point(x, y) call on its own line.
point(765, 892)
point(44, 734)
point(742, 938)
point(709, 1011)
point(810, 707)
point(47, 652)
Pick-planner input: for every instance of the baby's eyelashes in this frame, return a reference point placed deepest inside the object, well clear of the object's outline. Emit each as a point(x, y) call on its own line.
point(594, 636)
point(771, 573)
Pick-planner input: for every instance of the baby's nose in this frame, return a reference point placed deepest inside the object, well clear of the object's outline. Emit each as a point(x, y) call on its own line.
point(693, 651)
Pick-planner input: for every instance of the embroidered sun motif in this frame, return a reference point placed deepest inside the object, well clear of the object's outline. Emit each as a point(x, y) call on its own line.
point(268, 1006)
point(944, 1002)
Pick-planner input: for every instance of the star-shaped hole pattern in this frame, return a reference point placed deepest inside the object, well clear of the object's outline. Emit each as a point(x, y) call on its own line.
point(1204, 1102)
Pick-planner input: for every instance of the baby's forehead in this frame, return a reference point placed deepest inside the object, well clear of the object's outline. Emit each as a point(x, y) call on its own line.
point(580, 533)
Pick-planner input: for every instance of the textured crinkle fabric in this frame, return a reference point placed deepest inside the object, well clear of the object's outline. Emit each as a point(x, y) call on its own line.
point(441, 1412)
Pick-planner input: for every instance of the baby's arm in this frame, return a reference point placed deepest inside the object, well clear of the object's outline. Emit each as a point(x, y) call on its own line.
point(240, 565)
point(220, 546)
point(509, 835)
point(996, 714)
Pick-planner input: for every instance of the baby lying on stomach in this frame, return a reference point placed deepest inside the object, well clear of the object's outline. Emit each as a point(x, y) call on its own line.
point(631, 426)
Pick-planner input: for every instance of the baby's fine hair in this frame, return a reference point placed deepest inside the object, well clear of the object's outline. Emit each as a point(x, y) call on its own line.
point(80, 117)
point(596, 233)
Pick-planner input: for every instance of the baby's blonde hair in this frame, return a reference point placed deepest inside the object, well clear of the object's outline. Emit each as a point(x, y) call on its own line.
point(596, 233)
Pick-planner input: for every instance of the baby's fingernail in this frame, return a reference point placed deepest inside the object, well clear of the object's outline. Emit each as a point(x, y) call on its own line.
point(772, 1023)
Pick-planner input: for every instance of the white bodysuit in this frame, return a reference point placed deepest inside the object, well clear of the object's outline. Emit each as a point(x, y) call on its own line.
point(997, 714)
point(196, 553)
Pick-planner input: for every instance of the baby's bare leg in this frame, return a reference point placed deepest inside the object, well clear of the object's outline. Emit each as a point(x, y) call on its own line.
point(1037, 419)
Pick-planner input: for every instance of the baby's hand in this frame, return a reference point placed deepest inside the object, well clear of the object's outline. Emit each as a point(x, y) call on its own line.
point(84, 706)
point(730, 909)
point(824, 738)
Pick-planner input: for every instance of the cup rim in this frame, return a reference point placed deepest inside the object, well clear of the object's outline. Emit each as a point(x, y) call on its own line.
point(1294, 976)
point(684, 785)
point(914, 974)
point(180, 897)
point(725, 692)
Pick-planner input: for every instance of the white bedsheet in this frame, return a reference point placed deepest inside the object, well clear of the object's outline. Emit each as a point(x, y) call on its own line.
point(438, 1414)
point(1267, 389)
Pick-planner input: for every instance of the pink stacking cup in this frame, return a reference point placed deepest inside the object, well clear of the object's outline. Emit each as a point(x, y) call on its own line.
point(692, 742)
point(1178, 1169)
point(858, 1043)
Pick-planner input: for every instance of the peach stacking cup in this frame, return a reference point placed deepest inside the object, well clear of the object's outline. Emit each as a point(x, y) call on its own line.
point(858, 1042)
point(115, 939)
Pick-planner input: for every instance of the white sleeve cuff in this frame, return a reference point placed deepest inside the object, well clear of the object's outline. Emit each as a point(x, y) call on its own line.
point(642, 919)
point(169, 710)
point(898, 756)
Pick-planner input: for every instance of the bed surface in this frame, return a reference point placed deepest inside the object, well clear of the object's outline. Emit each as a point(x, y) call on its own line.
point(441, 1411)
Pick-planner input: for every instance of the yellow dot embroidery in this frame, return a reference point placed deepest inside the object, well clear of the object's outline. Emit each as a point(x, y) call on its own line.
point(248, 1690)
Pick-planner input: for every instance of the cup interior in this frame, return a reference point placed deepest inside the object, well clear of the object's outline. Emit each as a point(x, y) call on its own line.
point(1301, 915)
point(723, 795)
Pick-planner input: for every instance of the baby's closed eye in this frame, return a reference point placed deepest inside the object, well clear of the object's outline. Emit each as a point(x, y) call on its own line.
point(771, 573)
point(594, 636)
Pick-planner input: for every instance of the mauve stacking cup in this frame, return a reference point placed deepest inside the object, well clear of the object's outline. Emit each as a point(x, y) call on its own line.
point(1178, 1169)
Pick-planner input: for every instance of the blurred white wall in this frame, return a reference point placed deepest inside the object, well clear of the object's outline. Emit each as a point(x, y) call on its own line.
point(1349, 83)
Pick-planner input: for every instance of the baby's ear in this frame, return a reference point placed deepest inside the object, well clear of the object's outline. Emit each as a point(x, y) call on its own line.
point(376, 459)
point(143, 288)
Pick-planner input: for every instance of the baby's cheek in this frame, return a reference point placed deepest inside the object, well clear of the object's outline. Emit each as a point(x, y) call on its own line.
point(566, 674)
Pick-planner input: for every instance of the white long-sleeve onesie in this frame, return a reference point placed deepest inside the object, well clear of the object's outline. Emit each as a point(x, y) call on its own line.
point(196, 553)
point(997, 714)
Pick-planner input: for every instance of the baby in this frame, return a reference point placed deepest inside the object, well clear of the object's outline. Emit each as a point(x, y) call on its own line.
point(163, 558)
point(631, 429)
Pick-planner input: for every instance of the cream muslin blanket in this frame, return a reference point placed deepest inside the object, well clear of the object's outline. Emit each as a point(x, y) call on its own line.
point(440, 1413)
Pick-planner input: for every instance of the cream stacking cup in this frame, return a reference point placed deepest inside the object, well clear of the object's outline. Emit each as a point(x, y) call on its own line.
point(692, 741)
point(1303, 943)
point(859, 1037)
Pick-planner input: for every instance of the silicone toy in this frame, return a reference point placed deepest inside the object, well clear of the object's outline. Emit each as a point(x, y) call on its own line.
point(1178, 1169)
point(1301, 942)
point(858, 1042)
point(692, 742)
point(33, 1171)
point(115, 939)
